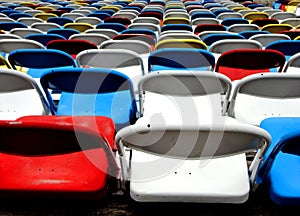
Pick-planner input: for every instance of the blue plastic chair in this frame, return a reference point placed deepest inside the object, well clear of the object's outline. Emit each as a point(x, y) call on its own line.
point(231, 21)
point(60, 20)
point(247, 34)
point(203, 14)
point(16, 16)
point(44, 38)
point(100, 15)
point(66, 33)
point(7, 26)
point(287, 47)
point(222, 10)
point(38, 60)
point(92, 92)
point(279, 172)
point(211, 38)
point(114, 26)
point(178, 27)
point(180, 59)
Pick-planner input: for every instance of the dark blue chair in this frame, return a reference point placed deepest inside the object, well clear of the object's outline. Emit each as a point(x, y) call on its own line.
point(203, 14)
point(92, 92)
point(184, 27)
point(287, 47)
point(114, 26)
point(211, 38)
point(60, 20)
point(181, 59)
point(39, 60)
point(16, 16)
point(44, 38)
point(66, 33)
point(7, 26)
point(248, 34)
point(231, 21)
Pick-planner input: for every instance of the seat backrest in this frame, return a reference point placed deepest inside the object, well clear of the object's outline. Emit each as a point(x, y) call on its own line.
point(239, 63)
point(18, 93)
point(264, 95)
point(40, 58)
point(92, 92)
point(180, 43)
point(44, 38)
point(9, 45)
point(182, 95)
point(176, 59)
point(287, 47)
point(266, 39)
point(276, 28)
point(242, 27)
point(225, 45)
point(23, 32)
point(72, 47)
point(140, 47)
point(292, 64)
point(44, 26)
point(211, 38)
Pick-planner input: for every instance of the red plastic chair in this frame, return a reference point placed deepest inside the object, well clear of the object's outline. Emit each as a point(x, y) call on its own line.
point(57, 156)
point(72, 46)
point(209, 27)
point(240, 63)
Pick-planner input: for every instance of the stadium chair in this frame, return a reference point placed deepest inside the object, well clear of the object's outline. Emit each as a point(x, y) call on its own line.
point(124, 61)
point(18, 93)
point(230, 21)
point(249, 33)
point(35, 61)
point(91, 37)
point(292, 64)
point(264, 21)
point(7, 26)
point(277, 174)
point(92, 92)
point(265, 39)
point(176, 27)
point(45, 16)
point(108, 32)
point(173, 151)
point(90, 20)
point(57, 149)
point(16, 16)
point(198, 21)
point(293, 33)
point(114, 26)
point(180, 43)
point(72, 46)
point(9, 45)
point(283, 15)
point(72, 16)
point(291, 21)
point(239, 63)
point(287, 47)
point(255, 15)
point(60, 20)
point(276, 28)
point(180, 59)
point(225, 45)
point(236, 28)
point(208, 27)
point(23, 32)
point(45, 26)
point(211, 38)
point(140, 47)
point(29, 20)
point(66, 33)
point(260, 96)
point(81, 27)
point(121, 20)
point(44, 38)
point(149, 39)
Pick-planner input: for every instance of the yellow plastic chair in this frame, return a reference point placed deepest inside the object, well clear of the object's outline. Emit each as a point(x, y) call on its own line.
point(110, 7)
point(180, 43)
point(45, 9)
point(82, 27)
point(256, 15)
point(44, 16)
point(238, 8)
point(176, 20)
point(4, 63)
point(292, 5)
point(276, 28)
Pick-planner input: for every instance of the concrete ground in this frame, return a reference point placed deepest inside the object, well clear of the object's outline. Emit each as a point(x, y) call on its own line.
point(257, 205)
